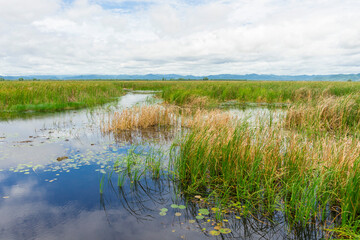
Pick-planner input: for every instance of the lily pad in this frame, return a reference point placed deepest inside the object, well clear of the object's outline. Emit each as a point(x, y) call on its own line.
point(164, 209)
point(182, 207)
point(204, 211)
point(178, 214)
point(225, 230)
point(199, 217)
point(174, 206)
point(214, 233)
point(192, 221)
point(162, 213)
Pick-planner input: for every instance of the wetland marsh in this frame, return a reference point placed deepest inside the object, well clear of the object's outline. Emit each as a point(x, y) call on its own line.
point(276, 161)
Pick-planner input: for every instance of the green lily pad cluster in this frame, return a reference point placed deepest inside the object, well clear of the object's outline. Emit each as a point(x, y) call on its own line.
point(199, 217)
point(163, 211)
point(225, 230)
point(221, 230)
point(202, 211)
point(178, 206)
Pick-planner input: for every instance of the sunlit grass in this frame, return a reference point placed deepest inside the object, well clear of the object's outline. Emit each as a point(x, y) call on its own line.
point(211, 93)
point(59, 95)
point(55, 95)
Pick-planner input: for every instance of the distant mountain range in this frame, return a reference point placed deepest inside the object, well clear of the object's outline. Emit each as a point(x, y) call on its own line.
point(334, 77)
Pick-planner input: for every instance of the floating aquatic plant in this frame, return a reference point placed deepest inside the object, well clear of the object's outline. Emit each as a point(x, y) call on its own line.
point(225, 230)
point(204, 211)
point(214, 233)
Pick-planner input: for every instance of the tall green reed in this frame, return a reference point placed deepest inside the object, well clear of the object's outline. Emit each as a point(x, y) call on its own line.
point(269, 168)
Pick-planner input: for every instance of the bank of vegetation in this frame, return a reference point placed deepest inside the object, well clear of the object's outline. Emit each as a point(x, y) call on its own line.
point(45, 96)
point(59, 95)
point(213, 92)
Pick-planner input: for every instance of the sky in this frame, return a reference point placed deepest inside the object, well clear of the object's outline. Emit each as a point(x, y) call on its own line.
point(199, 37)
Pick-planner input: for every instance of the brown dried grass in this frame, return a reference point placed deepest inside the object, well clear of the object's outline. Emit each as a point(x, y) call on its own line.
point(144, 117)
point(334, 114)
point(199, 102)
point(141, 117)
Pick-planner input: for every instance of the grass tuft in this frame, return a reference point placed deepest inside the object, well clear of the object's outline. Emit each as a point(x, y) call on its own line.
point(268, 167)
point(329, 114)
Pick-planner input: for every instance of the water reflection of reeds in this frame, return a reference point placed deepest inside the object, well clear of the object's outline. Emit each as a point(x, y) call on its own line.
point(144, 199)
point(153, 134)
point(141, 199)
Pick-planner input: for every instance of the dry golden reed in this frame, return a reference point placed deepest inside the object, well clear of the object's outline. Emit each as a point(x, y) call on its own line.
point(328, 114)
point(141, 117)
point(198, 102)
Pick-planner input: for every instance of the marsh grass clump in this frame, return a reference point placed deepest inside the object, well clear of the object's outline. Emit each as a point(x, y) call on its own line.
point(269, 168)
point(329, 114)
point(141, 117)
point(152, 116)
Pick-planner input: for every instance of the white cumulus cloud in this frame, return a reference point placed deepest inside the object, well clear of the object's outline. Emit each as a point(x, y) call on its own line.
point(179, 36)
